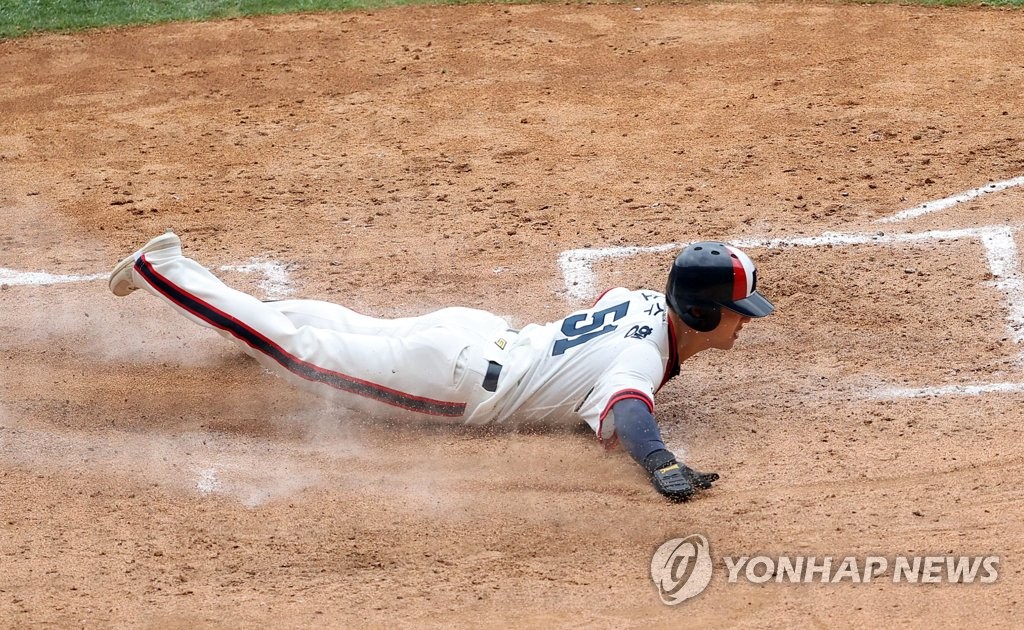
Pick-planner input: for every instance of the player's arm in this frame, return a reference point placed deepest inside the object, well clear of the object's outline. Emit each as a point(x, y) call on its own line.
point(638, 433)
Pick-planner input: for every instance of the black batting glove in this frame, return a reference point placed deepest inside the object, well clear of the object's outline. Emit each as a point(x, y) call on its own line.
point(678, 482)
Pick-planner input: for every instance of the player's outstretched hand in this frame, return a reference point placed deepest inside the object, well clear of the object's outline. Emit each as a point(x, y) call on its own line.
point(678, 482)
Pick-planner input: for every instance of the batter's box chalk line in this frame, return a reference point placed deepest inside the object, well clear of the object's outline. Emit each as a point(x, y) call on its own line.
point(275, 280)
point(941, 204)
point(997, 242)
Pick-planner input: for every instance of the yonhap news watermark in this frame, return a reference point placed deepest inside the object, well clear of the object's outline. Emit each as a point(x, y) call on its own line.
point(682, 568)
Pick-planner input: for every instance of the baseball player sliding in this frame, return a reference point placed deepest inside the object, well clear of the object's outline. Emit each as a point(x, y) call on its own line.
point(601, 365)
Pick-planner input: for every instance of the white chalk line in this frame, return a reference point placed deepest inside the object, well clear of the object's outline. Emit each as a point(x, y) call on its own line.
point(208, 482)
point(251, 496)
point(941, 204)
point(276, 281)
point(579, 278)
point(885, 393)
point(998, 242)
point(14, 277)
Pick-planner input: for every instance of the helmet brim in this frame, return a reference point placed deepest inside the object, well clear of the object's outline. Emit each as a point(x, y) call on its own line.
point(755, 305)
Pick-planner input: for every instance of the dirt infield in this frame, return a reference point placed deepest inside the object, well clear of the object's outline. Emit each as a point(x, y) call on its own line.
point(404, 160)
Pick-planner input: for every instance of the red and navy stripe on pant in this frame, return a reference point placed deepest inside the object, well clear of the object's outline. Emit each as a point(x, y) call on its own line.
point(303, 369)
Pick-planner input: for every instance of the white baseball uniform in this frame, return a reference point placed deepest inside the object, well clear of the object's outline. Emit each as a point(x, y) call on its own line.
point(456, 363)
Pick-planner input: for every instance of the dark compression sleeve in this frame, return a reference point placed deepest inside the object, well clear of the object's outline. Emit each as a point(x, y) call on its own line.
point(637, 431)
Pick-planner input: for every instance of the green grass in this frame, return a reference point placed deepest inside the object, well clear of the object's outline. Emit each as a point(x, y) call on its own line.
point(21, 17)
point(947, 3)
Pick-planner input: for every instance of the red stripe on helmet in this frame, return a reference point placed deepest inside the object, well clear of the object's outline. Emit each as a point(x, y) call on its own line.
point(739, 279)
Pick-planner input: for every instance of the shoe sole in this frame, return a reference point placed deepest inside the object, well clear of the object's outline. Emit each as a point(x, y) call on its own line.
point(119, 284)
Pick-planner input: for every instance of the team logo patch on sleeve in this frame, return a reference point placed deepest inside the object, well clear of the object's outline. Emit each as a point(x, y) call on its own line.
point(639, 332)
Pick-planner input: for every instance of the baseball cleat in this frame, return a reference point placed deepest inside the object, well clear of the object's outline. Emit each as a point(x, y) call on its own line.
point(121, 282)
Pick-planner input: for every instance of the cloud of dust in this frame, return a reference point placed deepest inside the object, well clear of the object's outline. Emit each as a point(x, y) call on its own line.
point(249, 470)
point(325, 426)
point(83, 319)
point(251, 484)
point(319, 446)
point(316, 441)
point(86, 318)
point(399, 461)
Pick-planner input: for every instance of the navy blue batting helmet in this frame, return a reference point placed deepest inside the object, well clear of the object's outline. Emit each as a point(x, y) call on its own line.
point(709, 276)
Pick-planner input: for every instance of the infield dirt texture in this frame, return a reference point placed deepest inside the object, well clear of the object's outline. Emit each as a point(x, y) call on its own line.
point(403, 160)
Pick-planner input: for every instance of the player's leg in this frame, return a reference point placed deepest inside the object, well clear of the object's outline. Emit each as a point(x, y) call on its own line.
point(332, 316)
point(421, 374)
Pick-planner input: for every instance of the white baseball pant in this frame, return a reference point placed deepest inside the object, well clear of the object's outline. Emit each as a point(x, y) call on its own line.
point(432, 366)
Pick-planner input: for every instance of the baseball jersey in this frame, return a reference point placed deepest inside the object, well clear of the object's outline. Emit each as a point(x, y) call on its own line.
point(577, 368)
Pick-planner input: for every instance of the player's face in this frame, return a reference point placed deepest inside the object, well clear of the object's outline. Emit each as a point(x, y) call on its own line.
point(728, 329)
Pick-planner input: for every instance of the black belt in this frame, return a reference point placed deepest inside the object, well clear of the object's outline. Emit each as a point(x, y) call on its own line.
point(491, 378)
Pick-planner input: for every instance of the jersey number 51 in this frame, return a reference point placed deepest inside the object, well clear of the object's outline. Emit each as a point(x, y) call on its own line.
point(578, 330)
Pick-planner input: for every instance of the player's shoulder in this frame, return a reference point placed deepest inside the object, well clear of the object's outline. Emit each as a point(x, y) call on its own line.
point(641, 313)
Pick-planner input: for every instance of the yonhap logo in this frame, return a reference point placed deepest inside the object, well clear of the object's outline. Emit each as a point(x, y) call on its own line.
point(681, 568)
